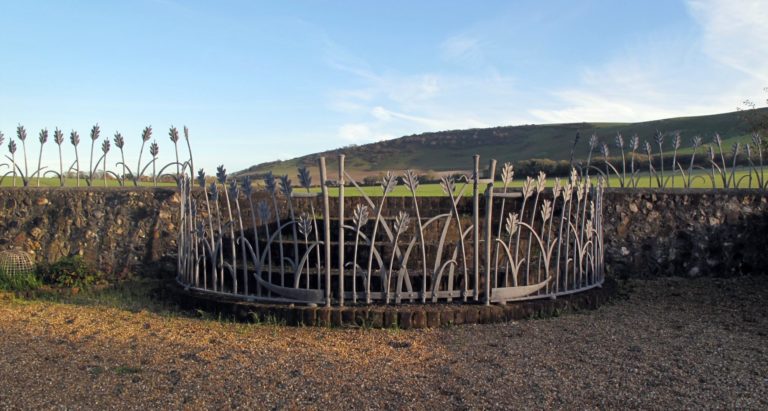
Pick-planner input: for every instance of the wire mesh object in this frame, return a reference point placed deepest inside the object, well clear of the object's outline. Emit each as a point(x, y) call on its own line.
point(16, 263)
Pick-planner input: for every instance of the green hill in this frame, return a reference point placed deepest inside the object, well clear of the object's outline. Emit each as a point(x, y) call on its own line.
point(448, 151)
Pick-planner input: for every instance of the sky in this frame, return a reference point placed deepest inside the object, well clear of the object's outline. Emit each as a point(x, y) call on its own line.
point(257, 81)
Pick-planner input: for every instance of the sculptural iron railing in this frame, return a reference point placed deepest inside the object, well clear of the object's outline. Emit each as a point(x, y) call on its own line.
point(97, 170)
point(742, 167)
point(299, 246)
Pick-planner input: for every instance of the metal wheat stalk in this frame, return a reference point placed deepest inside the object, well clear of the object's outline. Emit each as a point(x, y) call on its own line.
point(585, 186)
point(145, 136)
point(221, 176)
point(411, 180)
point(119, 143)
point(507, 174)
point(592, 145)
point(95, 131)
point(305, 180)
point(247, 189)
point(201, 183)
point(21, 133)
point(577, 218)
point(735, 150)
point(695, 143)
point(234, 192)
point(748, 150)
point(605, 150)
point(570, 161)
point(541, 183)
point(511, 227)
point(305, 228)
point(154, 150)
point(555, 195)
point(43, 137)
point(12, 150)
point(173, 133)
point(448, 186)
point(659, 137)
point(724, 170)
point(528, 189)
point(58, 138)
point(675, 145)
point(713, 165)
point(105, 150)
point(651, 168)
point(264, 216)
point(286, 189)
point(400, 226)
point(271, 185)
point(189, 148)
point(359, 218)
point(388, 184)
point(219, 251)
point(567, 193)
point(620, 146)
point(634, 144)
point(74, 138)
point(758, 143)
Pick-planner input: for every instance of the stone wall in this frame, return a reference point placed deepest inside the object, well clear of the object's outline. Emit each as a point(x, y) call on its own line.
point(123, 231)
point(686, 232)
point(647, 232)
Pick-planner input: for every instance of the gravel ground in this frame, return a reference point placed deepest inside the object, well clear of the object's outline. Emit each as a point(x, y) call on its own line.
point(667, 343)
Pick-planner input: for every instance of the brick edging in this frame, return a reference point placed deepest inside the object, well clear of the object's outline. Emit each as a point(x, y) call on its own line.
point(404, 316)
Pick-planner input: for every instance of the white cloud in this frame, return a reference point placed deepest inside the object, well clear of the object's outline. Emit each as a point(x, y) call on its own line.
point(461, 47)
point(675, 74)
point(355, 132)
point(735, 33)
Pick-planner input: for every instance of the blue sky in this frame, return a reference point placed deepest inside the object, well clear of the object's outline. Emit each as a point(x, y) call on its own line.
point(258, 81)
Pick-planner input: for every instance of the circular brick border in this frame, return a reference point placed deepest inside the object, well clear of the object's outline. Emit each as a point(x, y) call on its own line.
point(403, 316)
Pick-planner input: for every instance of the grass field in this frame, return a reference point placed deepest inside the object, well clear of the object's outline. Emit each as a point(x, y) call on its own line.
point(71, 182)
point(700, 179)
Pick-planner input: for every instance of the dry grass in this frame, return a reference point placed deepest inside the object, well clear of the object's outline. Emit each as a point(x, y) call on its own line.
point(669, 343)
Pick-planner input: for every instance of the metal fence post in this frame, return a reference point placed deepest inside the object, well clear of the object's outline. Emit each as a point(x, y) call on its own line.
point(341, 230)
point(326, 230)
point(475, 225)
point(488, 228)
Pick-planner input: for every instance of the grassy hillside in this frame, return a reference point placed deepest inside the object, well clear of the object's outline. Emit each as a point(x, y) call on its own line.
point(452, 150)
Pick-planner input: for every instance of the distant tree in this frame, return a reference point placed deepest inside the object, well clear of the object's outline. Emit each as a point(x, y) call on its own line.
point(756, 119)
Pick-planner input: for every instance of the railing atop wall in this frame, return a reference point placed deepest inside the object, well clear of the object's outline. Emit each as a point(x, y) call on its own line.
point(299, 246)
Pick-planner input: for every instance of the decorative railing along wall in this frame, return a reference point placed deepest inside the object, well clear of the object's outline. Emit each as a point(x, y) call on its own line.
point(91, 172)
point(480, 244)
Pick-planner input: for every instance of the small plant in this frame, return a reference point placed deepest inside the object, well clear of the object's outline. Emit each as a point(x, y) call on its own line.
point(23, 281)
point(70, 272)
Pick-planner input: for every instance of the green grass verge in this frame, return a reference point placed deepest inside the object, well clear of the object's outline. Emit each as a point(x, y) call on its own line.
point(19, 282)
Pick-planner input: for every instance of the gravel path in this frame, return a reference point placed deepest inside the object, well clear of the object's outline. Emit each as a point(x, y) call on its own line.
point(668, 343)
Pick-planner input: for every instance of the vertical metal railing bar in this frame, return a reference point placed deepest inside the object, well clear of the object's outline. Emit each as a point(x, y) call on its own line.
point(326, 230)
point(341, 240)
point(476, 225)
point(488, 228)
